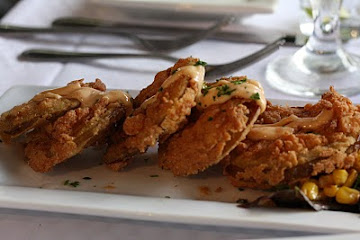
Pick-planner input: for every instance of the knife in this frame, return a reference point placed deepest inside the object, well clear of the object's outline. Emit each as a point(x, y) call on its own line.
point(94, 26)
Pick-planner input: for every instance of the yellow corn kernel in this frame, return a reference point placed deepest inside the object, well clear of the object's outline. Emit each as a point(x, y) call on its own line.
point(310, 189)
point(325, 181)
point(351, 178)
point(330, 191)
point(346, 195)
point(340, 176)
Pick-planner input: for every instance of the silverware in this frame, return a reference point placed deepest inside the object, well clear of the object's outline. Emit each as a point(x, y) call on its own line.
point(151, 44)
point(49, 55)
point(104, 26)
point(212, 71)
point(216, 71)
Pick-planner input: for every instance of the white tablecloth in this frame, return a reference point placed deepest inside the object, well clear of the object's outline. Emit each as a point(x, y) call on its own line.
point(125, 74)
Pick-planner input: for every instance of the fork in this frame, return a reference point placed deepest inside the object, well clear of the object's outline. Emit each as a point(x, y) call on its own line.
point(150, 44)
point(212, 71)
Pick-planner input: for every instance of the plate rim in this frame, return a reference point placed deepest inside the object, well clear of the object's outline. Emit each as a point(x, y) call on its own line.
point(252, 7)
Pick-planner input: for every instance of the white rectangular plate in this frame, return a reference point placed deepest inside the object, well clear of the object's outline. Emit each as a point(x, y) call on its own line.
point(216, 7)
point(136, 194)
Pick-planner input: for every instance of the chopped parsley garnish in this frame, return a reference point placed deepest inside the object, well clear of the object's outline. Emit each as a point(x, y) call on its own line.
point(255, 96)
point(161, 89)
point(210, 118)
point(224, 90)
point(73, 184)
point(155, 175)
point(202, 63)
point(174, 71)
point(205, 89)
point(87, 178)
point(238, 82)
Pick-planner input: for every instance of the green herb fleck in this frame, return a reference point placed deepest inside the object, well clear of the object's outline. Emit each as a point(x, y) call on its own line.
point(87, 178)
point(155, 175)
point(238, 82)
point(255, 96)
point(210, 118)
point(202, 63)
point(161, 89)
point(167, 196)
point(205, 89)
point(174, 71)
point(74, 184)
point(224, 90)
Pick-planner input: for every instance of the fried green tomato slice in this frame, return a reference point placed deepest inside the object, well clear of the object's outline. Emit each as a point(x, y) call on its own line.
point(159, 116)
point(228, 110)
point(71, 133)
point(43, 108)
point(288, 145)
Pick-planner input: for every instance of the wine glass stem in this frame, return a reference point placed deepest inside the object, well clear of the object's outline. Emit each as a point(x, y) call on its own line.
point(325, 38)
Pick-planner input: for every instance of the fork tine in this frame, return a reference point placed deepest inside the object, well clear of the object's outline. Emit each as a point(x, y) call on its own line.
point(216, 71)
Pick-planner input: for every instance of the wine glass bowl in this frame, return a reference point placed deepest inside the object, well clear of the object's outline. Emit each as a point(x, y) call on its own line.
point(321, 63)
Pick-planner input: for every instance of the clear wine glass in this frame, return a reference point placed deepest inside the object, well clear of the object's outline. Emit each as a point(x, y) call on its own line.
point(321, 63)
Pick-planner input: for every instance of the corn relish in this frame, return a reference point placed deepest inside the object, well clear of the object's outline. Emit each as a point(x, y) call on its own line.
point(342, 185)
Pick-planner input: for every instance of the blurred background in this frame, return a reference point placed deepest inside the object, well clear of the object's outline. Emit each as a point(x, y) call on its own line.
point(5, 5)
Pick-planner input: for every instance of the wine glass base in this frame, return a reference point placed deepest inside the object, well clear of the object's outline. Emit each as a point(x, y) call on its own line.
point(300, 78)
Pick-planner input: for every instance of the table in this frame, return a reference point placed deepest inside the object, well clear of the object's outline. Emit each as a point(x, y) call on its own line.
point(125, 74)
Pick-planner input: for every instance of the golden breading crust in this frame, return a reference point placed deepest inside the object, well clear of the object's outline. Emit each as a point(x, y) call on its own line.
point(71, 133)
point(159, 79)
point(32, 114)
point(318, 140)
point(207, 141)
point(157, 118)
